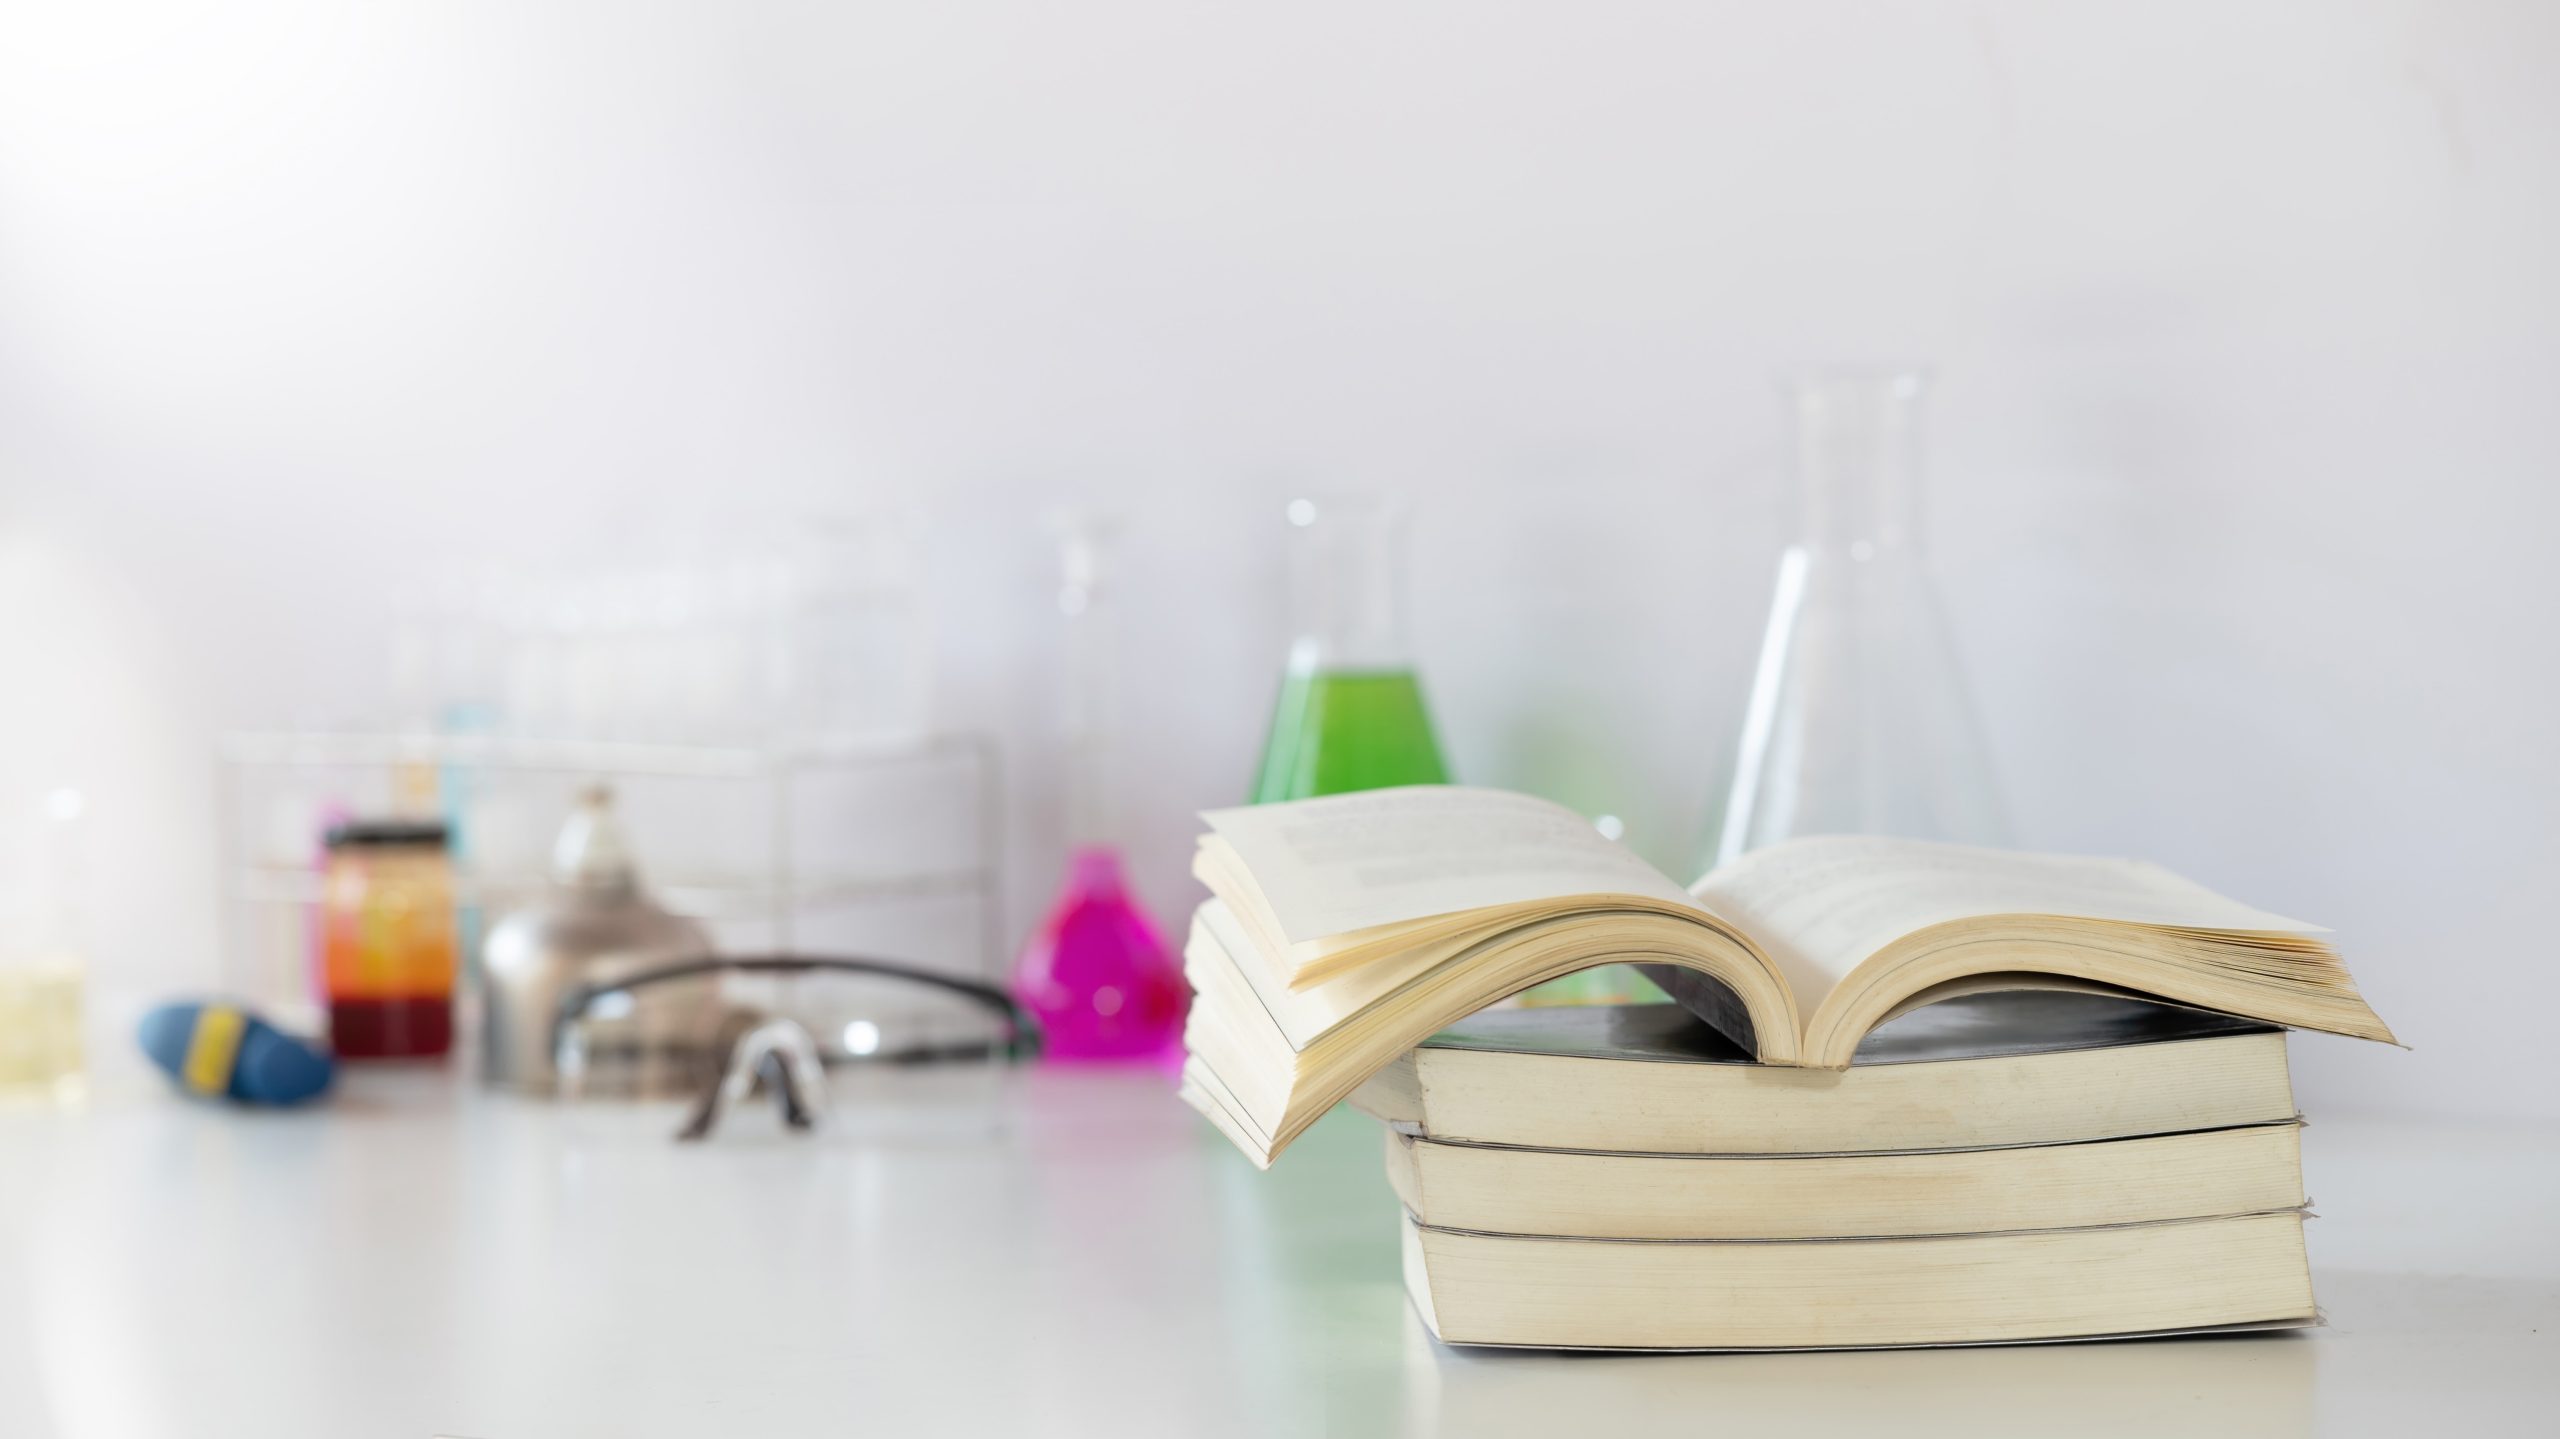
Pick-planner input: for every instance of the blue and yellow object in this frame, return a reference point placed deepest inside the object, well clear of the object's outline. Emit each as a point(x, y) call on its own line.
point(221, 1051)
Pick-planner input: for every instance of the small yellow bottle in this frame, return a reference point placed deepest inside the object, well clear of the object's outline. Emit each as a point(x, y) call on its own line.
point(40, 1024)
point(42, 972)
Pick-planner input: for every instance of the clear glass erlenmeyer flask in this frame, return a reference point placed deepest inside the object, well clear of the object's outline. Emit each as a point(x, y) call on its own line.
point(1859, 720)
point(1350, 714)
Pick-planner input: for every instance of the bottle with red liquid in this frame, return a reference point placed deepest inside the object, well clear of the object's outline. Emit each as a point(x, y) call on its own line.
point(1097, 974)
point(388, 947)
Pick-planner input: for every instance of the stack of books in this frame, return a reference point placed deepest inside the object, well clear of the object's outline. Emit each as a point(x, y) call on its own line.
point(1997, 1167)
point(1912, 1094)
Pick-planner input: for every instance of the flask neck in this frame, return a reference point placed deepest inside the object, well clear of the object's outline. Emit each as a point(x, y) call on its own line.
point(1094, 872)
point(1856, 459)
point(591, 854)
point(1091, 663)
point(1346, 571)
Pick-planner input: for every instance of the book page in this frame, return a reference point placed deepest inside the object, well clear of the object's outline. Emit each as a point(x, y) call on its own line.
point(1351, 862)
point(1819, 906)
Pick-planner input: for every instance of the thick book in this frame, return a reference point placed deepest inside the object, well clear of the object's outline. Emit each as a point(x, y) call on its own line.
point(2245, 1271)
point(1343, 931)
point(1581, 1194)
point(2029, 1067)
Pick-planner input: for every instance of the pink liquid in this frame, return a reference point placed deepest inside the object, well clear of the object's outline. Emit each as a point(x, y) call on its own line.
point(1097, 975)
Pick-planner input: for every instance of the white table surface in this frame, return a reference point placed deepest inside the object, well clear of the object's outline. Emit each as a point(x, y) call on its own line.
point(421, 1259)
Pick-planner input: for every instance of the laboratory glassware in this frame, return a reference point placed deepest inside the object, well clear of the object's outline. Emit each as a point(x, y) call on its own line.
point(43, 969)
point(1350, 715)
point(388, 943)
point(1859, 719)
point(593, 922)
point(1097, 972)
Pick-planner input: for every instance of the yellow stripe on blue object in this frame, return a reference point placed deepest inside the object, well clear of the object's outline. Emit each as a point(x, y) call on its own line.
point(214, 1045)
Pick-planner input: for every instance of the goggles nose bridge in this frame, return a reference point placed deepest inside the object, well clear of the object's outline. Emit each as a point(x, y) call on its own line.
point(782, 1054)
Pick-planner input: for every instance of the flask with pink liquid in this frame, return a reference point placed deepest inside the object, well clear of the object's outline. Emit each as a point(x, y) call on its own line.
point(1097, 973)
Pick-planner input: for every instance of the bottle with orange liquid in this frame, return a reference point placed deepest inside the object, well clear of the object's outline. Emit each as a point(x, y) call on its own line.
point(388, 947)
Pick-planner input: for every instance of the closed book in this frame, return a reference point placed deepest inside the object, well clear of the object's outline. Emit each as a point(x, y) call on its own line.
point(1979, 1071)
point(1578, 1193)
point(2245, 1271)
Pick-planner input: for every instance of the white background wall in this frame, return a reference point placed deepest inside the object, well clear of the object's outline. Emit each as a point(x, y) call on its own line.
point(2245, 453)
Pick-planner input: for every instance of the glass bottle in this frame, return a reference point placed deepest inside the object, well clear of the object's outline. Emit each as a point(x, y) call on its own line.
point(1859, 720)
point(1097, 974)
point(1350, 714)
point(388, 950)
point(42, 969)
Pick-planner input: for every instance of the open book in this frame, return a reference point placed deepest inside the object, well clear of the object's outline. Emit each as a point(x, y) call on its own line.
point(1343, 931)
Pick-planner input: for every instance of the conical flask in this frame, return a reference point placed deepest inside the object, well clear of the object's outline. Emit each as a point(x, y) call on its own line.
point(1350, 714)
point(1859, 720)
point(1097, 974)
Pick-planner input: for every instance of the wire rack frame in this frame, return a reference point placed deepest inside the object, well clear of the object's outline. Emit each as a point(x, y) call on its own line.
point(782, 888)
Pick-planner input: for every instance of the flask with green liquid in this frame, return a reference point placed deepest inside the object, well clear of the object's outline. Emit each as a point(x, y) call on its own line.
point(1350, 714)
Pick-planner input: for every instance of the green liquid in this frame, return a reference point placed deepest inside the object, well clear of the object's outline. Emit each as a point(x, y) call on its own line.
point(1340, 730)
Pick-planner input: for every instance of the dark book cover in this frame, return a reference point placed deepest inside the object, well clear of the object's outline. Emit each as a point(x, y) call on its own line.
point(1979, 1026)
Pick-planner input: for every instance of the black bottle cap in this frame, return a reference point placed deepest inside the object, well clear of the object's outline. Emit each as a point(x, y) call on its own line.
point(386, 834)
